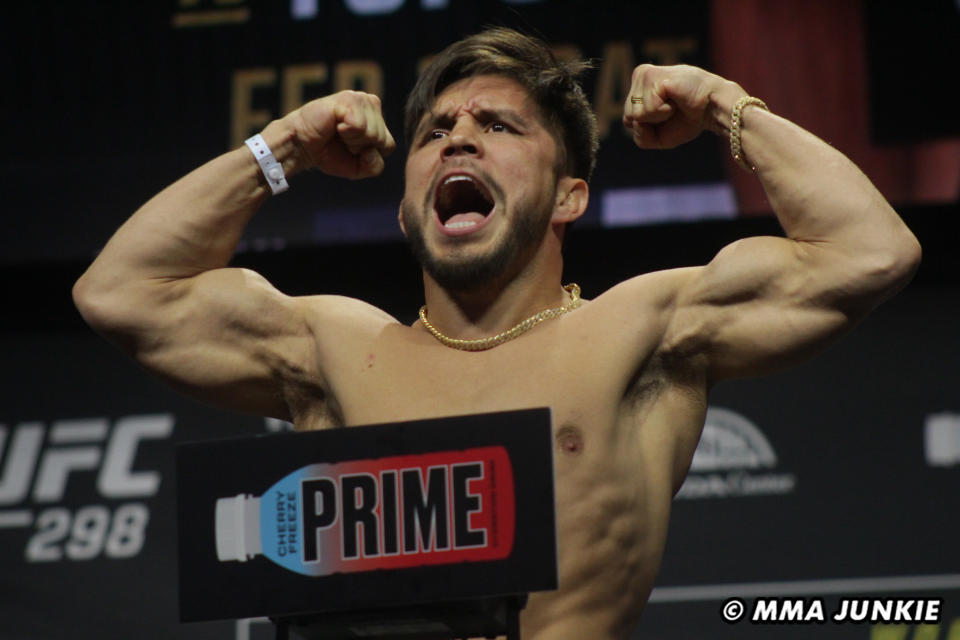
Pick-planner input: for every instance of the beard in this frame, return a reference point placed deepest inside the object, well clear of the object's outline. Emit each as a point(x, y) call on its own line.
point(461, 271)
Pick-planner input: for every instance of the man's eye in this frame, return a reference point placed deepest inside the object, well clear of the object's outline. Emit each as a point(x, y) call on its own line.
point(436, 134)
point(499, 127)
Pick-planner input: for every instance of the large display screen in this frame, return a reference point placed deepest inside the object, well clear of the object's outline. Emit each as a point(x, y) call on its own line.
point(105, 103)
point(118, 99)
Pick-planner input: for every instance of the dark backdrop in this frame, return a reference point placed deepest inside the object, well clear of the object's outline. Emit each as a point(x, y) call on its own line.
point(852, 501)
point(844, 481)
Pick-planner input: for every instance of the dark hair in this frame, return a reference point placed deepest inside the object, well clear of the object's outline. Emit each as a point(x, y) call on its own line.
point(527, 60)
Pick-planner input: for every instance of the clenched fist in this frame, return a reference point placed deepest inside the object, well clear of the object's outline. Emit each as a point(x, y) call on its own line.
point(343, 134)
point(669, 106)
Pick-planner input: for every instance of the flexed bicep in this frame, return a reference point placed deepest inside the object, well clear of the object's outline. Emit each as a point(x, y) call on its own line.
point(763, 304)
point(228, 337)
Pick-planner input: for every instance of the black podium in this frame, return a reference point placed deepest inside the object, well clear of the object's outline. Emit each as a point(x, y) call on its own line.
point(477, 618)
point(425, 529)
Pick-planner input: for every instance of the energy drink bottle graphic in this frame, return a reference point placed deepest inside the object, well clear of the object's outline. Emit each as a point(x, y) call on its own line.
point(386, 513)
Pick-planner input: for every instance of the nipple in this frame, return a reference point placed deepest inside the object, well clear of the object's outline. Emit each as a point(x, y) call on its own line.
point(570, 440)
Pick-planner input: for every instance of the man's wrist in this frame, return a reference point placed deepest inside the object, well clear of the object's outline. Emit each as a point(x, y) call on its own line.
point(270, 167)
point(736, 126)
point(722, 102)
point(281, 137)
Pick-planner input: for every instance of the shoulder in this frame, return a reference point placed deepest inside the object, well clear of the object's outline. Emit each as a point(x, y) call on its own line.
point(332, 307)
point(340, 330)
point(342, 315)
point(657, 292)
point(646, 316)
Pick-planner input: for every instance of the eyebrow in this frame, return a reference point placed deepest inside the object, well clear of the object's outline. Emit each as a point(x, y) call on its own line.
point(491, 115)
point(435, 120)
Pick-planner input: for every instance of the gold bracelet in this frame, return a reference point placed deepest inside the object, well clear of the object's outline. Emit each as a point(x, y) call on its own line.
point(735, 125)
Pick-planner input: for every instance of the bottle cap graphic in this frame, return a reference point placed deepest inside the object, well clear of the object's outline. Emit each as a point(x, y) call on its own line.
point(238, 528)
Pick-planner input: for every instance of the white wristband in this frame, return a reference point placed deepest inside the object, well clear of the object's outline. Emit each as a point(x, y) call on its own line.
point(272, 170)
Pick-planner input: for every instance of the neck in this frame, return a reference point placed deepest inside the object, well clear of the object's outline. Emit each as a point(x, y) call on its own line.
point(486, 311)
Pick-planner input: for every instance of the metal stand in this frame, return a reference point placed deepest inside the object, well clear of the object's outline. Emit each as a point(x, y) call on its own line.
point(487, 617)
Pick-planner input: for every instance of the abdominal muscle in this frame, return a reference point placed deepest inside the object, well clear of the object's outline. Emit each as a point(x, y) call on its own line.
point(612, 523)
point(611, 533)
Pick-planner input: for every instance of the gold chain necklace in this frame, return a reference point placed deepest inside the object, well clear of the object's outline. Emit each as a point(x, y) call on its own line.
point(482, 344)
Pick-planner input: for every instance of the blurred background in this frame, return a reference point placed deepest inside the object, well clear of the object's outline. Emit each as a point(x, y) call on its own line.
point(838, 478)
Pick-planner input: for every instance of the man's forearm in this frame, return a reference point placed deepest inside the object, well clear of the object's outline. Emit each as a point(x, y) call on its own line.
point(194, 224)
point(191, 227)
point(819, 196)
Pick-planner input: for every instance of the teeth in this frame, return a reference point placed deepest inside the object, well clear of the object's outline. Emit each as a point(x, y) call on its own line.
point(460, 225)
point(457, 179)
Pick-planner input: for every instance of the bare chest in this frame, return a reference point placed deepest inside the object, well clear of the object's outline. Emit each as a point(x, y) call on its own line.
point(614, 448)
point(395, 382)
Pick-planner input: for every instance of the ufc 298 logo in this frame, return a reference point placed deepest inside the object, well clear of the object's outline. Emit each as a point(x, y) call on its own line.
point(38, 462)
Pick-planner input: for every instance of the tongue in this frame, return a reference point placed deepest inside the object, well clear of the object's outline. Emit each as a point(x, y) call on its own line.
point(458, 219)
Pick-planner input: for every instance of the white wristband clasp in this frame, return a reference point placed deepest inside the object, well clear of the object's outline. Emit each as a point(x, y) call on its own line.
point(272, 170)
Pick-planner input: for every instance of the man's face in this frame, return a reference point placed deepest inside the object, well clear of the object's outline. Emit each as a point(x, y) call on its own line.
point(481, 183)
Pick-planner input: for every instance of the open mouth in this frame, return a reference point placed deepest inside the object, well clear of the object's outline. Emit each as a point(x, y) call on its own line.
point(462, 202)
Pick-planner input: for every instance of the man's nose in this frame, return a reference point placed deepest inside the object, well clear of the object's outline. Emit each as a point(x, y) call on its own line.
point(463, 140)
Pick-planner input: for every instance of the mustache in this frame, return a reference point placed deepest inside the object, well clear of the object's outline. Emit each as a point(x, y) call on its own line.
point(499, 195)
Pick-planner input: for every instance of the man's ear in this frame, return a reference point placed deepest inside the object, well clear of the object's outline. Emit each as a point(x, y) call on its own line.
point(572, 197)
point(403, 228)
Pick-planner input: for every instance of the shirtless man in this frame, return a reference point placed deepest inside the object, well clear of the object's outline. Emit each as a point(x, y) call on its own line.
point(493, 176)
